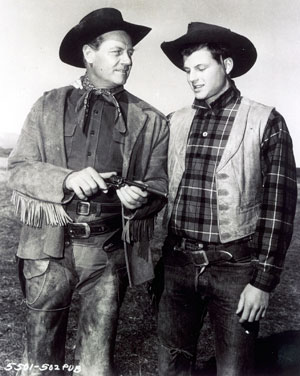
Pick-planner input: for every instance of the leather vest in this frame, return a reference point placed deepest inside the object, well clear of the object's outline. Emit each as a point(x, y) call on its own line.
point(238, 176)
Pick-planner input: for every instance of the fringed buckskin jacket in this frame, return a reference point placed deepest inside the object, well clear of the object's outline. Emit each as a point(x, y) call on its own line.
point(37, 168)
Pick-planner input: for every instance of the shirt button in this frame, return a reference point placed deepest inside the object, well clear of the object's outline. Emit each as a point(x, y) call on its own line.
point(89, 154)
point(96, 112)
point(204, 134)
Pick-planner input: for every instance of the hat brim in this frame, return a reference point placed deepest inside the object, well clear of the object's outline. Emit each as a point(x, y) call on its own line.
point(242, 50)
point(70, 51)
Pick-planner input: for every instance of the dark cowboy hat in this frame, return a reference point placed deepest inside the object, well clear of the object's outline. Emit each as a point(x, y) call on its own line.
point(90, 27)
point(242, 50)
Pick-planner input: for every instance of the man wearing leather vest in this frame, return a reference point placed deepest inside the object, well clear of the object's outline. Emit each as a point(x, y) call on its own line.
point(232, 198)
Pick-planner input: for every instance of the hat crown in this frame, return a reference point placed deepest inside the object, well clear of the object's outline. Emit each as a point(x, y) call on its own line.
point(105, 13)
point(204, 27)
point(96, 23)
point(242, 50)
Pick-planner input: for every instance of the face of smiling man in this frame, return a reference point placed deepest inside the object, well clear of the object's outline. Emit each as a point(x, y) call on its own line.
point(207, 77)
point(109, 65)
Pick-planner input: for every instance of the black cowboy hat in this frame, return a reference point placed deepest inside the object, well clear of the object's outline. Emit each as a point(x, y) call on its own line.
point(242, 50)
point(90, 27)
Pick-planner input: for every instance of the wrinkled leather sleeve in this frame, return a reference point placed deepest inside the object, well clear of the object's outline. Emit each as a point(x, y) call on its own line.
point(28, 170)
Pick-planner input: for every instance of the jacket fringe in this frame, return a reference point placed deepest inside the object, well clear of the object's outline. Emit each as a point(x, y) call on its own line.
point(140, 232)
point(37, 213)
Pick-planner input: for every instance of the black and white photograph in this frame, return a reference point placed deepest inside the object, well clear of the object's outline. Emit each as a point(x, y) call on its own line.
point(149, 167)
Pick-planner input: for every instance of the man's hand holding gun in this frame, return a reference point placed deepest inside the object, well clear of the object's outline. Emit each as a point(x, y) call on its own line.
point(132, 194)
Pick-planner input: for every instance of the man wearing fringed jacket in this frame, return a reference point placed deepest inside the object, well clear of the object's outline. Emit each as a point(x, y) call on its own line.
point(77, 233)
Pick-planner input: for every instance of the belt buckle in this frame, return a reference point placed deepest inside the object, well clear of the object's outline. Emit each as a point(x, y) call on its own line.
point(73, 230)
point(203, 254)
point(83, 208)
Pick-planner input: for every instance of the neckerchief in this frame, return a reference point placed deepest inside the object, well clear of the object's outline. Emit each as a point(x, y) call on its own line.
point(109, 96)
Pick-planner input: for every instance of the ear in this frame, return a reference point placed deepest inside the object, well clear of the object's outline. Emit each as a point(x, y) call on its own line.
point(88, 54)
point(228, 65)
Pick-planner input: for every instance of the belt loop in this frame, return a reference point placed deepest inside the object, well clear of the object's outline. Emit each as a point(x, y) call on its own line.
point(183, 241)
point(98, 210)
point(198, 272)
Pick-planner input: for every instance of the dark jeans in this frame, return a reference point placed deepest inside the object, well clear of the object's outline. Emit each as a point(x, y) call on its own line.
point(101, 280)
point(183, 306)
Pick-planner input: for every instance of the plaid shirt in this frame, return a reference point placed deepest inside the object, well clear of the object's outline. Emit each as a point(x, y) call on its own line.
point(195, 210)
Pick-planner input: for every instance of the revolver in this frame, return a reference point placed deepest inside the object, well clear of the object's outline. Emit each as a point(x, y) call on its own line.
point(117, 182)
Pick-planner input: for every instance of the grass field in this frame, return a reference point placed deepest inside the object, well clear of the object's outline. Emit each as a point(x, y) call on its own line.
point(278, 348)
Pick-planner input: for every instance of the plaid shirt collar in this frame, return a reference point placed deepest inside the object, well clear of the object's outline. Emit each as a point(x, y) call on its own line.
point(229, 96)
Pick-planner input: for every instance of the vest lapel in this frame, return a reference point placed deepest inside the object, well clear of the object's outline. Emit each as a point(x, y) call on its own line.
point(236, 134)
point(179, 132)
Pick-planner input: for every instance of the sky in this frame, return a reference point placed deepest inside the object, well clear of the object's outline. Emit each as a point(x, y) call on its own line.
point(31, 32)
